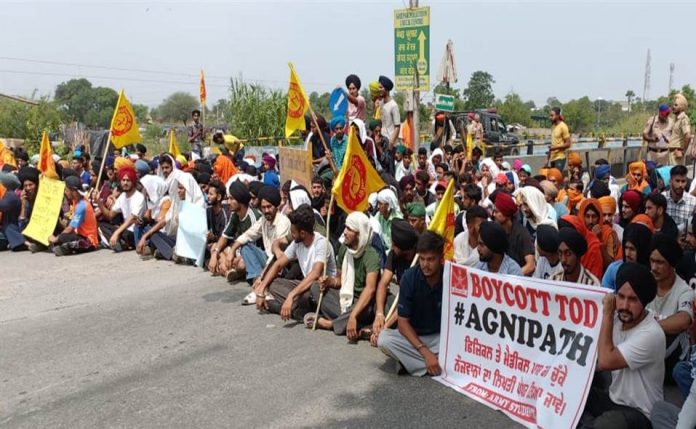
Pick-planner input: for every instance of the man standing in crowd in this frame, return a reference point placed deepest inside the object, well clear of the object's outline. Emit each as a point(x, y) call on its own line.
point(390, 116)
point(657, 134)
point(681, 132)
point(680, 204)
point(492, 245)
point(560, 140)
point(521, 246)
point(571, 247)
point(196, 134)
point(415, 344)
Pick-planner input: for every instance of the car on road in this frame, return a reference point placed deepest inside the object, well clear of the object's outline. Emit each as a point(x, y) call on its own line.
point(495, 132)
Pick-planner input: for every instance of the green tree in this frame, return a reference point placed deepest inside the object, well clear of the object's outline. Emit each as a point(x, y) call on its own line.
point(80, 101)
point(320, 104)
point(629, 96)
point(177, 107)
point(141, 113)
point(25, 121)
point(102, 104)
point(479, 92)
point(579, 115)
point(514, 110)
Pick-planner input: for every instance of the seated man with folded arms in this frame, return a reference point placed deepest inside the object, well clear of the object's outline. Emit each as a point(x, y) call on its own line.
point(415, 344)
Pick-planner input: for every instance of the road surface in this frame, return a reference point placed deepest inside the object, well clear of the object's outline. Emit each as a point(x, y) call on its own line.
point(106, 340)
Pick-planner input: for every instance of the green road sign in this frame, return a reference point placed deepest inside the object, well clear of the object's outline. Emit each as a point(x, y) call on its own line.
point(444, 102)
point(412, 48)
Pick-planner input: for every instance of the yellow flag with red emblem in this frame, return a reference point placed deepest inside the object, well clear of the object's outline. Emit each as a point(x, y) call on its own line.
point(203, 94)
point(357, 178)
point(298, 104)
point(46, 164)
point(124, 127)
point(442, 222)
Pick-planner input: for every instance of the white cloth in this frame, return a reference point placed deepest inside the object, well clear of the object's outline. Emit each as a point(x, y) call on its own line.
point(464, 254)
point(362, 133)
point(194, 195)
point(299, 196)
point(130, 206)
point(359, 223)
point(308, 256)
point(536, 201)
point(388, 196)
point(155, 189)
point(544, 269)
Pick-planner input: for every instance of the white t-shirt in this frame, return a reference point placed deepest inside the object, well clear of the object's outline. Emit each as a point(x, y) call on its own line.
point(544, 269)
point(463, 253)
point(679, 298)
point(643, 348)
point(130, 206)
point(390, 118)
point(308, 256)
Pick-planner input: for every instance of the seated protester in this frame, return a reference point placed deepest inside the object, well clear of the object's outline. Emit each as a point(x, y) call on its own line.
point(407, 186)
point(224, 168)
point(414, 345)
point(492, 247)
point(158, 204)
point(402, 158)
point(254, 188)
point(673, 304)
point(548, 263)
point(571, 247)
point(77, 164)
point(270, 175)
point(29, 176)
point(631, 345)
point(592, 260)
point(469, 196)
point(423, 195)
point(217, 214)
point(630, 203)
point(403, 252)
point(520, 243)
point(551, 195)
point(416, 217)
point(608, 205)
point(440, 188)
point(203, 180)
point(131, 204)
point(318, 193)
point(534, 208)
point(81, 234)
point(312, 251)
point(598, 189)
point(666, 415)
point(656, 209)
point(10, 206)
point(388, 211)
point(348, 304)
point(590, 212)
point(142, 168)
point(466, 243)
point(635, 248)
point(242, 217)
point(298, 196)
point(574, 196)
point(637, 178)
point(272, 226)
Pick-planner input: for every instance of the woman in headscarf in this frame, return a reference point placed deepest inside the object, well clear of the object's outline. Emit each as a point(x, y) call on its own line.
point(10, 206)
point(157, 202)
point(534, 208)
point(387, 210)
point(635, 248)
point(590, 212)
point(592, 259)
point(637, 178)
point(224, 168)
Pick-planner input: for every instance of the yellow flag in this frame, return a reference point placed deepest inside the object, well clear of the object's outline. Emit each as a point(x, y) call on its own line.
point(173, 147)
point(124, 127)
point(46, 163)
point(357, 178)
point(298, 104)
point(442, 222)
point(6, 155)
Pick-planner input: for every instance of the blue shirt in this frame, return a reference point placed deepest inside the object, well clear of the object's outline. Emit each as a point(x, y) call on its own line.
point(609, 279)
point(85, 178)
point(270, 177)
point(78, 217)
point(508, 266)
point(420, 303)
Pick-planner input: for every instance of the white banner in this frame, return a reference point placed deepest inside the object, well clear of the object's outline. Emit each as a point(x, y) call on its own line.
point(524, 346)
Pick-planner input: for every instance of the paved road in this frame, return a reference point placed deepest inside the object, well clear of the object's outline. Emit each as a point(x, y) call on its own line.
point(105, 340)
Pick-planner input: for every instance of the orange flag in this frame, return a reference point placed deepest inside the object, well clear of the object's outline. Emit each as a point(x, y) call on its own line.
point(46, 163)
point(203, 94)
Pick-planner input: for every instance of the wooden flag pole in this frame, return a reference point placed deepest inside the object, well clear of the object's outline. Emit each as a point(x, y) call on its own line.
point(328, 254)
point(323, 142)
point(103, 162)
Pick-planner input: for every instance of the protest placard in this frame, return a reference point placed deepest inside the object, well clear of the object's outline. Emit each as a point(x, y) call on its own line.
point(527, 347)
point(296, 164)
point(44, 215)
point(192, 232)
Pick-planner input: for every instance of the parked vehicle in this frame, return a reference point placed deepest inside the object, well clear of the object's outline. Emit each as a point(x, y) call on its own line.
point(495, 132)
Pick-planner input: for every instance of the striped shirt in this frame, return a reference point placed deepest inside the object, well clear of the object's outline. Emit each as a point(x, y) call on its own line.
point(585, 278)
point(682, 210)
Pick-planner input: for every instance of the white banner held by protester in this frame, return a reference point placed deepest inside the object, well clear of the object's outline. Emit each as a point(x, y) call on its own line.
point(527, 347)
point(192, 232)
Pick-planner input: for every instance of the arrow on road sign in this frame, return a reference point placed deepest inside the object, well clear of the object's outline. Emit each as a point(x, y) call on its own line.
point(421, 39)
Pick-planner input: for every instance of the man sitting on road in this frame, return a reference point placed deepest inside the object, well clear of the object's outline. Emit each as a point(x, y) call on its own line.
point(415, 344)
point(131, 204)
point(656, 209)
point(520, 243)
point(571, 247)
point(548, 263)
point(81, 234)
point(466, 242)
point(492, 245)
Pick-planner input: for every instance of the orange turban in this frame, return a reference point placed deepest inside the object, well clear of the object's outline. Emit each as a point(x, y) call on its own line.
point(224, 168)
point(574, 159)
point(556, 174)
point(632, 183)
point(608, 203)
point(122, 162)
point(645, 220)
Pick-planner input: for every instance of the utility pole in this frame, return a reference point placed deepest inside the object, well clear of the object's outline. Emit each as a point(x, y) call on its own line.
point(646, 83)
point(416, 98)
point(671, 77)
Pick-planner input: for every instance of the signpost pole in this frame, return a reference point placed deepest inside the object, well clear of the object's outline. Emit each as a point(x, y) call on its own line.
point(416, 100)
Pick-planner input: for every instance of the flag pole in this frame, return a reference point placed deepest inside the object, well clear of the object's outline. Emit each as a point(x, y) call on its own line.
point(328, 253)
point(390, 313)
point(103, 161)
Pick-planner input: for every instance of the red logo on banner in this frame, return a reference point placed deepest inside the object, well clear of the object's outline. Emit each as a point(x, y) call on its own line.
point(460, 284)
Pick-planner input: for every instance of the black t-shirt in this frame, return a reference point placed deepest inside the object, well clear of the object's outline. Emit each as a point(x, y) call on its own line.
point(669, 227)
point(397, 266)
point(420, 303)
point(520, 243)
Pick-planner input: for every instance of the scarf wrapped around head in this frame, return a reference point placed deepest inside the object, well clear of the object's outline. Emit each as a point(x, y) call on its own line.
point(224, 168)
point(574, 198)
point(537, 204)
point(601, 171)
point(555, 174)
point(155, 188)
point(299, 196)
point(387, 196)
point(592, 260)
point(639, 235)
point(359, 223)
point(574, 160)
point(632, 183)
point(633, 199)
point(643, 219)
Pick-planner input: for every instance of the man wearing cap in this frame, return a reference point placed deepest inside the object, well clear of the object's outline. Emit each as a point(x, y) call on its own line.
point(390, 116)
point(571, 247)
point(81, 234)
point(466, 242)
point(680, 204)
point(492, 245)
point(673, 304)
point(196, 134)
point(657, 134)
point(631, 345)
point(416, 217)
point(520, 243)
point(130, 204)
point(681, 131)
point(548, 264)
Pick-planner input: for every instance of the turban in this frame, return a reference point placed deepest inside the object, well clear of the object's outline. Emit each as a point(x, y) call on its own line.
point(526, 168)
point(668, 247)
point(401, 149)
point(602, 171)
point(574, 240)
point(374, 89)
point(664, 108)
point(298, 195)
point(501, 179)
point(128, 172)
point(550, 190)
point(640, 279)
point(554, 173)
point(121, 162)
point(547, 238)
point(416, 210)
point(205, 168)
point(639, 235)
point(608, 203)
point(142, 167)
point(73, 182)
point(644, 219)
point(407, 180)
point(28, 173)
point(270, 160)
point(599, 189)
point(387, 196)
point(239, 192)
point(403, 235)
point(494, 237)
point(374, 123)
point(440, 117)
point(203, 178)
point(633, 199)
point(516, 165)
point(255, 187)
point(574, 159)
point(505, 204)
point(680, 101)
point(337, 122)
point(354, 80)
point(386, 83)
point(270, 194)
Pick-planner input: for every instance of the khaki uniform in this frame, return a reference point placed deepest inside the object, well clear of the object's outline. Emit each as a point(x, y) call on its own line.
point(662, 130)
point(678, 142)
point(475, 130)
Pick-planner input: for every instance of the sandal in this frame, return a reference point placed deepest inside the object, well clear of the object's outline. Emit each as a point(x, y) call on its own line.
point(249, 299)
point(365, 334)
point(309, 319)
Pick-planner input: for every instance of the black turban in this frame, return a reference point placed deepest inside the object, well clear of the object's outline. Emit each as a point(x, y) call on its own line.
point(641, 280)
point(407, 180)
point(354, 80)
point(573, 240)
point(203, 178)
point(255, 187)
point(547, 238)
point(386, 83)
point(67, 172)
point(28, 173)
point(239, 192)
point(141, 148)
point(599, 189)
point(668, 247)
point(494, 237)
point(639, 235)
point(204, 167)
point(270, 194)
point(403, 235)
